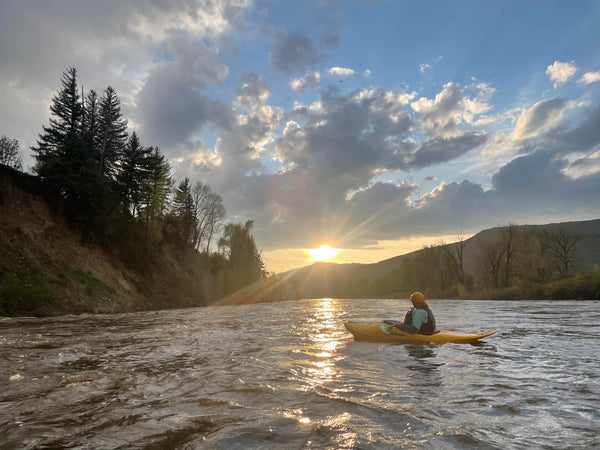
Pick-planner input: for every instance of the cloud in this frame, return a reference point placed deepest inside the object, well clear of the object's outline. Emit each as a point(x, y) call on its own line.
point(254, 90)
point(133, 46)
point(541, 117)
point(294, 52)
point(340, 71)
point(313, 169)
point(347, 136)
point(585, 135)
point(586, 165)
point(440, 149)
point(560, 72)
point(308, 81)
point(590, 77)
point(441, 116)
point(171, 106)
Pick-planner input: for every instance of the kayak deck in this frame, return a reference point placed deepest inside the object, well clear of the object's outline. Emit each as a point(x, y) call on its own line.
point(373, 332)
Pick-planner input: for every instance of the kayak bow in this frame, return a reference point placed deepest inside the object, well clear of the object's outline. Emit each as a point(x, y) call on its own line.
point(374, 332)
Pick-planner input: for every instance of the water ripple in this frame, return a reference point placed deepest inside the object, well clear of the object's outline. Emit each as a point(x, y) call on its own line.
point(288, 375)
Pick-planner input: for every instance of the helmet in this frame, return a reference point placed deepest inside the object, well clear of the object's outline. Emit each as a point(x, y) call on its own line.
point(417, 297)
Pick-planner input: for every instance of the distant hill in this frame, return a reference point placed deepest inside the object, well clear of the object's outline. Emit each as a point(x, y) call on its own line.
point(341, 280)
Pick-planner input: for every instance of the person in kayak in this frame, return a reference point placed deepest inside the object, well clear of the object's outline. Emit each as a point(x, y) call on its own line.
point(419, 319)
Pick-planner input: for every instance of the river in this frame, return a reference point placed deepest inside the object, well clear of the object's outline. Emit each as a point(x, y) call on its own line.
point(288, 375)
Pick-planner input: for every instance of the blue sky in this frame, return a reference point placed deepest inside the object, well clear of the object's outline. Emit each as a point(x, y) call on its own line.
point(372, 126)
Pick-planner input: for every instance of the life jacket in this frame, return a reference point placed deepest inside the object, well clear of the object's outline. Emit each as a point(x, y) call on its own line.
point(428, 326)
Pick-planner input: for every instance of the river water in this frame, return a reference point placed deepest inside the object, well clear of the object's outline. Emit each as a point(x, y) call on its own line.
point(288, 375)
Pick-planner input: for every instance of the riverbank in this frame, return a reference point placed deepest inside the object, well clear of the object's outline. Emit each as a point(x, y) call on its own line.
point(46, 268)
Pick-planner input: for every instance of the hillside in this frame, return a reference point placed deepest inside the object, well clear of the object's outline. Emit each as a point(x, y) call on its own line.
point(45, 269)
point(351, 280)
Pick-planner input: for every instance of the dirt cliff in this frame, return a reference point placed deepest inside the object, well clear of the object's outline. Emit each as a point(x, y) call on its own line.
point(46, 269)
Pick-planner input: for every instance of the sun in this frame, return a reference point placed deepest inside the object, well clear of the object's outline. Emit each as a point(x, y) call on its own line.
point(323, 253)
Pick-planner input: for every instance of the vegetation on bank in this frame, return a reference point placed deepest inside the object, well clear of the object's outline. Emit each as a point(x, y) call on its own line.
point(117, 195)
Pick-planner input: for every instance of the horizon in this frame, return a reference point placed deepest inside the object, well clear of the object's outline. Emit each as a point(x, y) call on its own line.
point(373, 128)
point(333, 259)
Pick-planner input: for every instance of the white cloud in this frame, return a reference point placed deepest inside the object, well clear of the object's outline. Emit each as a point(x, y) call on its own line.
point(424, 67)
point(441, 116)
point(582, 165)
point(340, 71)
point(590, 77)
point(560, 72)
point(541, 117)
point(311, 79)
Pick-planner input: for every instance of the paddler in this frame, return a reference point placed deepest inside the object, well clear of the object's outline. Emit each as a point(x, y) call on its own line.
point(419, 319)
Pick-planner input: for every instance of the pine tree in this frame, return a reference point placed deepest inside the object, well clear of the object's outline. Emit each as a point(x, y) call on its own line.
point(184, 212)
point(65, 124)
point(91, 132)
point(134, 174)
point(112, 132)
point(156, 187)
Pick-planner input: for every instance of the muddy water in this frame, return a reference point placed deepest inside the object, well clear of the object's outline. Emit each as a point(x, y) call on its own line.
point(288, 375)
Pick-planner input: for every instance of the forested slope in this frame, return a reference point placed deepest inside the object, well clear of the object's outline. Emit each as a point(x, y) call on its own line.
point(559, 260)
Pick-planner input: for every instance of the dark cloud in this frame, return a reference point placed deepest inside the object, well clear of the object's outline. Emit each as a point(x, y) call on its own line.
point(171, 106)
point(440, 149)
point(254, 89)
point(585, 135)
point(294, 53)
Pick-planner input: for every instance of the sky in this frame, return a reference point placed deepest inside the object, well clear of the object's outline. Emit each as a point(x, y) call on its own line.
point(373, 127)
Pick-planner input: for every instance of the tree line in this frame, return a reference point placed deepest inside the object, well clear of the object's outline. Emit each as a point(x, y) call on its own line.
point(121, 193)
point(517, 262)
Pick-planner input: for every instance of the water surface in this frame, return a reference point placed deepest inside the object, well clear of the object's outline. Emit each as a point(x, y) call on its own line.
point(288, 375)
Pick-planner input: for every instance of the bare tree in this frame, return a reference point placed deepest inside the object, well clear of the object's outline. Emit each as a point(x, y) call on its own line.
point(508, 236)
point(562, 245)
point(9, 153)
point(216, 216)
point(492, 254)
point(210, 214)
point(455, 253)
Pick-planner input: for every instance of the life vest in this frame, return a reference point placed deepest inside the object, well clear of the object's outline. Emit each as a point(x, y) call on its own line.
point(428, 326)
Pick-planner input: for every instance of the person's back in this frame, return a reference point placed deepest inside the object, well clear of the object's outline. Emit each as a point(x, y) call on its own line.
point(420, 318)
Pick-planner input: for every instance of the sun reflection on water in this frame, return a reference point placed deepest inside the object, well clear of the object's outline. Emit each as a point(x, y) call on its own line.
point(324, 338)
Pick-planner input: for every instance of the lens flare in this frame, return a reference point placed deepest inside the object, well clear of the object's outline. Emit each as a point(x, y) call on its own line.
point(323, 253)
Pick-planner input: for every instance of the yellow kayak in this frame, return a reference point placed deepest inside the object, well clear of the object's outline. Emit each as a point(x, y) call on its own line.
point(381, 332)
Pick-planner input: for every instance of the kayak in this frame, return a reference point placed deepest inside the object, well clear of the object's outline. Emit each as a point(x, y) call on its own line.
point(381, 332)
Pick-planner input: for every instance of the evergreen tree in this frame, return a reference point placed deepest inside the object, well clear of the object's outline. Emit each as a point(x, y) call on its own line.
point(91, 132)
point(134, 173)
point(65, 125)
point(156, 186)
point(185, 213)
point(113, 134)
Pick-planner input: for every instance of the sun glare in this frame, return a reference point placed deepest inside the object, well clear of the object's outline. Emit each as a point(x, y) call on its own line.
point(323, 253)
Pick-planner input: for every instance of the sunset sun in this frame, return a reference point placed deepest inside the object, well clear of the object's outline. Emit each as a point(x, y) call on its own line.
point(323, 253)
